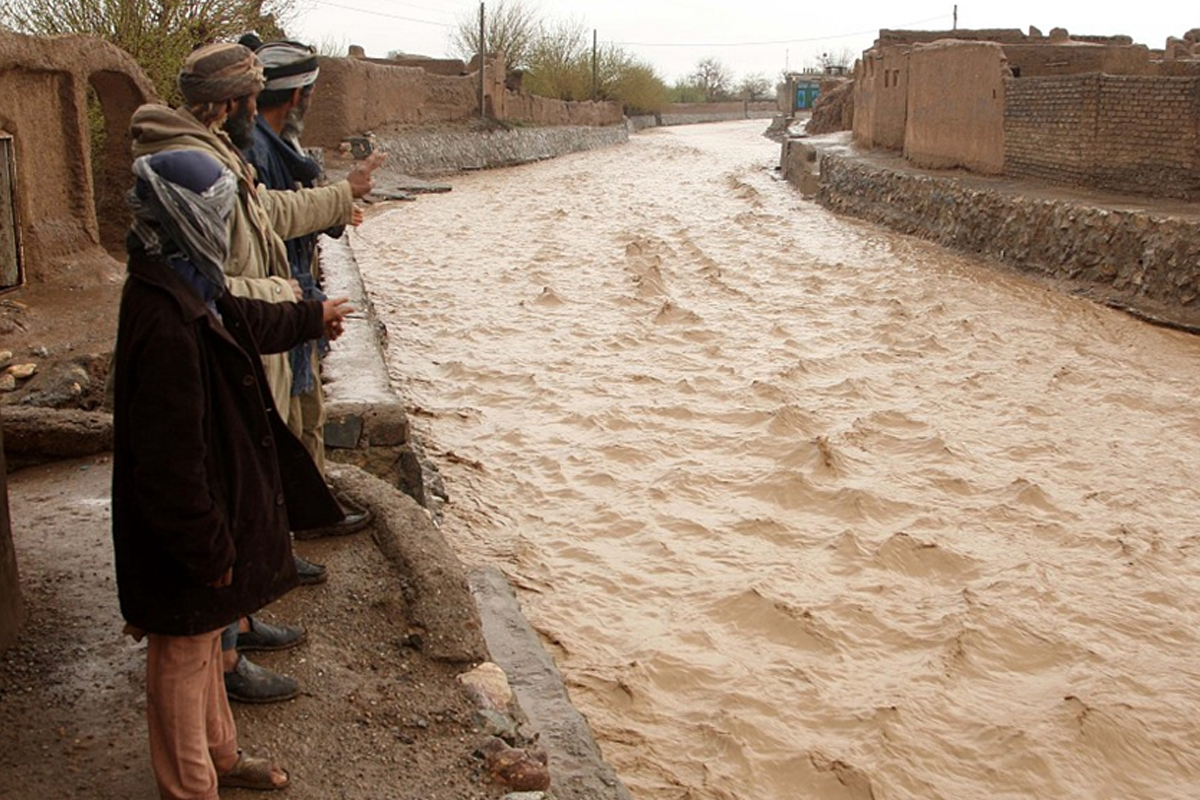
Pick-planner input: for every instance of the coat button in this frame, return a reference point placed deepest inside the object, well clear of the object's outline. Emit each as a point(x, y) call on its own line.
point(279, 499)
point(248, 380)
point(266, 441)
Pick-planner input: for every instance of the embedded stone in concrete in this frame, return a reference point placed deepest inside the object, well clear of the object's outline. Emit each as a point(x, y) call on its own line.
point(344, 431)
point(579, 771)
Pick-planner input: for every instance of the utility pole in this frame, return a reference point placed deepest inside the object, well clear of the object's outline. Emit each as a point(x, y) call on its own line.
point(482, 50)
point(955, 16)
point(595, 62)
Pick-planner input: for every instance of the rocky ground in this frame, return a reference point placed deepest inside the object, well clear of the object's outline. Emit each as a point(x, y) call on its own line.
point(378, 717)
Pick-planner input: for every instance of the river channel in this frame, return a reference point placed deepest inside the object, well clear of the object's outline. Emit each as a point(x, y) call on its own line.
point(804, 508)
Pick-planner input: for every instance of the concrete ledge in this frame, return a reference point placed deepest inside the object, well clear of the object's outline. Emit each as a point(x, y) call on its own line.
point(441, 607)
point(580, 772)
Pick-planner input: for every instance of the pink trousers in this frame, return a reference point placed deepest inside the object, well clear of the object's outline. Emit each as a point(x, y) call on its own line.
point(192, 732)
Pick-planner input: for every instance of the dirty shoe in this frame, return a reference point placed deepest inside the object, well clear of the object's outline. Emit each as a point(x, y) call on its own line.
point(250, 683)
point(264, 636)
point(354, 521)
point(309, 572)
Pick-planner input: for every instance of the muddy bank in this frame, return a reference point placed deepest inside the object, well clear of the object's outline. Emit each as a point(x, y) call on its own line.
point(1138, 254)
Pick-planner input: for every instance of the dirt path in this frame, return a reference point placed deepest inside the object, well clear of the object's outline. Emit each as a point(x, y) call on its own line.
point(376, 717)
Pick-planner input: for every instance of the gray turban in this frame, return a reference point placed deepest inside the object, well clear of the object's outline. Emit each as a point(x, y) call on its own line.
point(288, 65)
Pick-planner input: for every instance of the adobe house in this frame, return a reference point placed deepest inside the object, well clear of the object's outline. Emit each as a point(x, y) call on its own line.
point(1084, 111)
point(64, 168)
point(64, 155)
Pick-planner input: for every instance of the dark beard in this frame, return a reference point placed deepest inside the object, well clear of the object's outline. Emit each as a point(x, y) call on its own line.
point(239, 126)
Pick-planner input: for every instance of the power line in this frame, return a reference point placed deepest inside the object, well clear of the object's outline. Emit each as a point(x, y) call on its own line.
point(385, 14)
point(763, 44)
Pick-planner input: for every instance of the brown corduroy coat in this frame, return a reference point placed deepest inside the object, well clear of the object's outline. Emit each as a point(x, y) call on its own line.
point(206, 476)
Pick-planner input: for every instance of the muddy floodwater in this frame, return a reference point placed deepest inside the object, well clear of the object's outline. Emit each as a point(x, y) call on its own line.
point(804, 508)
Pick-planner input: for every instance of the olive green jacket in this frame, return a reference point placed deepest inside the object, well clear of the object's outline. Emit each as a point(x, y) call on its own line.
point(261, 222)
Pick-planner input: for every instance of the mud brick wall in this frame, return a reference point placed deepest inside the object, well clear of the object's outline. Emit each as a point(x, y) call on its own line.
point(1136, 134)
point(1146, 136)
point(1050, 128)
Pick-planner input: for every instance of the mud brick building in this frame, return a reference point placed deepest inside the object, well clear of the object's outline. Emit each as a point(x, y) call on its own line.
point(1097, 112)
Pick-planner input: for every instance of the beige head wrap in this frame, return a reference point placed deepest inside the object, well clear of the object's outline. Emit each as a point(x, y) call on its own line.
point(219, 72)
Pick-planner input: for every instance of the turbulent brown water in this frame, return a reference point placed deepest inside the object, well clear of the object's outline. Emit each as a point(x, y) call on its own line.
point(803, 508)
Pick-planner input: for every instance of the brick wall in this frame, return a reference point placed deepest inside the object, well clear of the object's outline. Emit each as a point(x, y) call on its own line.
point(1146, 138)
point(1137, 134)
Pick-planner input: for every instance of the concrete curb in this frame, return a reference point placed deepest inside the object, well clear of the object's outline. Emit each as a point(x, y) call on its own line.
point(580, 772)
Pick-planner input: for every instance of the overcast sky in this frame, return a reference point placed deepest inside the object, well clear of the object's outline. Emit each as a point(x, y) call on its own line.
point(748, 36)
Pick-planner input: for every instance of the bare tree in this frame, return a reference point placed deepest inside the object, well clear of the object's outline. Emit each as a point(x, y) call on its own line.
point(712, 78)
point(754, 87)
point(837, 61)
point(157, 33)
point(510, 27)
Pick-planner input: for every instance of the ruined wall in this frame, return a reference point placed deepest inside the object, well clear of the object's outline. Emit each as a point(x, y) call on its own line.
point(1076, 58)
point(1138, 134)
point(834, 109)
point(10, 585)
point(956, 106)
point(1137, 258)
point(69, 174)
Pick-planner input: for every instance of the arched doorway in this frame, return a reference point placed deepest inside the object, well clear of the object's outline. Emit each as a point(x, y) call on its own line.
point(112, 97)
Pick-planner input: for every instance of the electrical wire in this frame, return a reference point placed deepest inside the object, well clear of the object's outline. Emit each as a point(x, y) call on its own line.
point(385, 14)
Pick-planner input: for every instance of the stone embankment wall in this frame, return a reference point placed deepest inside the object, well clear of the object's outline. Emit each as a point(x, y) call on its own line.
point(1139, 259)
point(431, 153)
point(1122, 133)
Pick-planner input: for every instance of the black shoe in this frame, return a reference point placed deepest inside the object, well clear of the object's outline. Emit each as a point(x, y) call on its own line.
point(353, 522)
point(310, 573)
point(264, 636)
point(250, 683)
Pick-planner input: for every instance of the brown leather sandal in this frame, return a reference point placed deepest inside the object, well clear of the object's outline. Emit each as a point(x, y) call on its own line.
point(252, 773)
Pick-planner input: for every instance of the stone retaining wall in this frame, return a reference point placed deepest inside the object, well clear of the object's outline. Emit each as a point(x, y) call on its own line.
point(428, 153)
point(1144, 260)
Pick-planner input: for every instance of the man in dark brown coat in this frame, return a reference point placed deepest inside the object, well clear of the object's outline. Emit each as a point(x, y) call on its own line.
point(207, 479)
